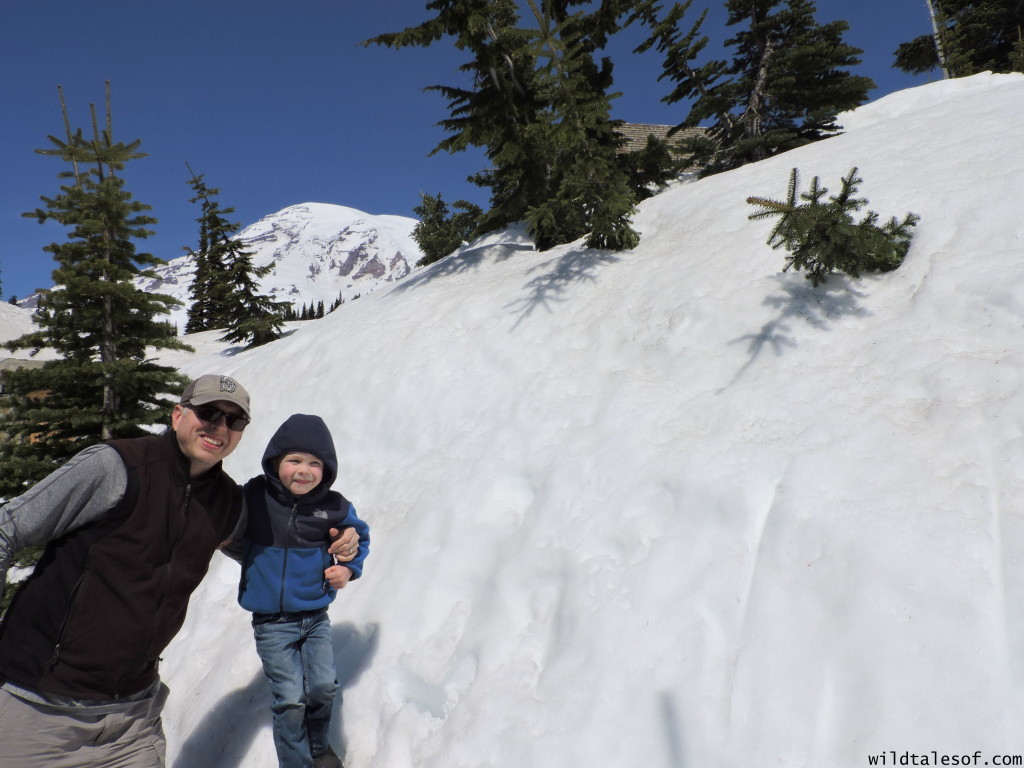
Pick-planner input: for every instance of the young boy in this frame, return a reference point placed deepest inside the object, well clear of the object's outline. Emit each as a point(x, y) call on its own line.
point(284, 582)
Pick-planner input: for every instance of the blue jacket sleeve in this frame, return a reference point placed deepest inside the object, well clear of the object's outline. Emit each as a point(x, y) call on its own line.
point(363, 531)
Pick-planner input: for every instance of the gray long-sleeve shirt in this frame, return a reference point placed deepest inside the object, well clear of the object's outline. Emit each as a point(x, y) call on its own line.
point(85, 488)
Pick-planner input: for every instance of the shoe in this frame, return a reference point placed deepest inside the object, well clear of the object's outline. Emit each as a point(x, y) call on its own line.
point(327, 760)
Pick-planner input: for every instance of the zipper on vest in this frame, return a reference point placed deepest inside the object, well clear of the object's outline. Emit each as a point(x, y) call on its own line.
point(184, 520)
point(287, 547)
point(66, 619)
point(140, 656)
point(329, 560)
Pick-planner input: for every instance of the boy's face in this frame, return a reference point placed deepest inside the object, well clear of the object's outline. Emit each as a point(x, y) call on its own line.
point(300, 472)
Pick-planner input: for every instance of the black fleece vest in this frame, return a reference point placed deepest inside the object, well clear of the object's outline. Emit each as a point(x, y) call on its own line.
point(107, 598)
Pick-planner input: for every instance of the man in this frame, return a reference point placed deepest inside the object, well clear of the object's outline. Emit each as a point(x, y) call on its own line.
point(129, 527)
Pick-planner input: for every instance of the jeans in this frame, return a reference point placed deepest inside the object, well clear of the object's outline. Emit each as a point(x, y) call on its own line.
point(298, 660)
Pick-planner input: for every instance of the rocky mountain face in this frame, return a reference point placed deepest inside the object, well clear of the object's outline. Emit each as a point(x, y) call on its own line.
point(318, 252)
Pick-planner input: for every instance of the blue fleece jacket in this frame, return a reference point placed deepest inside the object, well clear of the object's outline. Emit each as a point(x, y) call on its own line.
point(285, 543)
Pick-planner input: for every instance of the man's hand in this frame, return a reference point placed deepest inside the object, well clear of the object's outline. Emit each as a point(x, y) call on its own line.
point(344, 547)
point(338, 576)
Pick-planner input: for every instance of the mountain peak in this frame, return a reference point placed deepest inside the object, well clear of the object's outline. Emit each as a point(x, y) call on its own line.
point(317, 252)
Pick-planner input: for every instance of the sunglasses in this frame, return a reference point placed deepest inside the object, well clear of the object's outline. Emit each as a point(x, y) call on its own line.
point(213, 414)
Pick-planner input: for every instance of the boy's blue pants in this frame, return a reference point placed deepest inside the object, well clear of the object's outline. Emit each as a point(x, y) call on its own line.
point(298, 660)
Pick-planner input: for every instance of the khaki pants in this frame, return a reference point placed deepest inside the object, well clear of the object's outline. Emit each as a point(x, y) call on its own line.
point(128, 735)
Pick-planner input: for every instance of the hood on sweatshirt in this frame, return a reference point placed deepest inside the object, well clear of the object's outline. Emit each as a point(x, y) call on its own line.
point(305, 434)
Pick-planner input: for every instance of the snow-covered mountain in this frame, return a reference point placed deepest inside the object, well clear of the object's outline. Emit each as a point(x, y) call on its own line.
point(318, 252)
point(14, 322)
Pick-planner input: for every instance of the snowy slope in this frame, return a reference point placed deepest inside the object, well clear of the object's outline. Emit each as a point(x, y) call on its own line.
point(672, 507)
point(14, 322)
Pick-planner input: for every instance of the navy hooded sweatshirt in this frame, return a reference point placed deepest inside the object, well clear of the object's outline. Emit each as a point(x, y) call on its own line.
point(285, 544)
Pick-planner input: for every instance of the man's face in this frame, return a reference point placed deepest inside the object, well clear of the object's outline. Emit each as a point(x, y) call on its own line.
point(204, 443)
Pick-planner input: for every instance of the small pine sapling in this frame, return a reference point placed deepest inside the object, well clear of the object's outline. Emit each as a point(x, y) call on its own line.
point(822, 236)
point(437, 233)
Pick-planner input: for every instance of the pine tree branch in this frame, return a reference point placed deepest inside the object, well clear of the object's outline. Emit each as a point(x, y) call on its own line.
point(67, 131)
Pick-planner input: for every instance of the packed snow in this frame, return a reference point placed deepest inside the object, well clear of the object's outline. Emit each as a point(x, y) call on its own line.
point(672, 507)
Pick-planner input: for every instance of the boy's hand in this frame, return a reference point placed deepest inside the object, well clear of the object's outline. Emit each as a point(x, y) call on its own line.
point(345, 546)
point(338, 576)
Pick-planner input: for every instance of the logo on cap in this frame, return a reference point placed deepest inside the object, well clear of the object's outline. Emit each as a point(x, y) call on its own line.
point(227, 384)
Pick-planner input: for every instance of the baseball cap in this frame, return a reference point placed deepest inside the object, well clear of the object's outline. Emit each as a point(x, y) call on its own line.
point(210, 388)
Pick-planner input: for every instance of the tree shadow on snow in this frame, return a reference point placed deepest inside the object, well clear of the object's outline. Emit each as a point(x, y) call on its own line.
point(799, 300)
point(555, 277)
point(671, 723)
point(227, 733)
point(462, 261)
point(232, 351)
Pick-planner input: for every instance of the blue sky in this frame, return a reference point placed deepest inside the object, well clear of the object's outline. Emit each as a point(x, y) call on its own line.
point(278, 104)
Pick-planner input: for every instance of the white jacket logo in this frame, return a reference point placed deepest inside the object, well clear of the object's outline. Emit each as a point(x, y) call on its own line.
point(320, 513)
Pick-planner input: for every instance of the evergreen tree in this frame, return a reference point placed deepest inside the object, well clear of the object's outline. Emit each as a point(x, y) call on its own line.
point(437, 233)
point(692, 81)
point(202, 310)
point(105, 385)
point(199, 315)
point(592, 192)
point(973, 36)
point(822, 236)
point(783, 88)
point(257, 318)
point(539, 105)
point(650, 168)
point(1017, 56)
point(225, 289)
point(319, 309)
point(498, 108)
